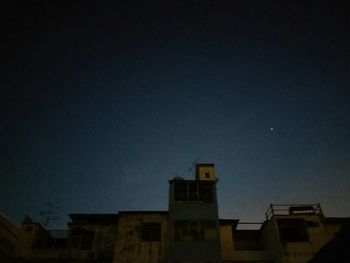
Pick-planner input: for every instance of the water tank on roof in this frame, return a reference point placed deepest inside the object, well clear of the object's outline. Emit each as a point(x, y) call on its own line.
point(302, 210)
point(205, 172)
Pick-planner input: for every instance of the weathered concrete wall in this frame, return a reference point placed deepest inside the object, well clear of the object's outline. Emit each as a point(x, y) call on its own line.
point(226, 241)
point(230, 254)
point(271, 240)
point(300, 252)
point(296, 252)
point(317, 232)
point(103, 244)
point(129, 245)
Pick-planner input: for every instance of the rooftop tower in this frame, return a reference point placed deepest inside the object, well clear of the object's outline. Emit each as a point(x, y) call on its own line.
point(193, 218)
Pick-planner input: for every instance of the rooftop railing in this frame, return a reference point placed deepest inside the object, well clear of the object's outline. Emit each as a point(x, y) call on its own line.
point(293, 209)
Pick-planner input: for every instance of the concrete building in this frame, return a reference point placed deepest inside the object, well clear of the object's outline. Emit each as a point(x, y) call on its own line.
point(193, 218)
point(290, 233)
point(89, 237)
point(189, 232)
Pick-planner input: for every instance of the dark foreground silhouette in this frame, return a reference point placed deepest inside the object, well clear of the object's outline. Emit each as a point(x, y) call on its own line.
point(337, 250)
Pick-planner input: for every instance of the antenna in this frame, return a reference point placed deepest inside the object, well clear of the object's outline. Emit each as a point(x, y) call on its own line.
point(49, 212)
point(194, 163)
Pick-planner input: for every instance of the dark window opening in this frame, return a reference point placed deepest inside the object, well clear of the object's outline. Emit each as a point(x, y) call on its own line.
point(151, 232)
point(206, 192)
point(52, 239)
point(195, 230)
point(247, 240)
point(82, 239)
point(188, 231)
point(193, 194)
point(180, 191)
point(293, 230)
point(194, 191)
point(207, 175)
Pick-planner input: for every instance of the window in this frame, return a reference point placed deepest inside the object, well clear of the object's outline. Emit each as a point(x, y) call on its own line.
point(206, 192)
point(293, 230)
point(194, 191)
point(180, 191)
point(195, 230)
point(151, 231)
point(247, 240)
point(207, 175)
point(187, 231)
point(82, 239)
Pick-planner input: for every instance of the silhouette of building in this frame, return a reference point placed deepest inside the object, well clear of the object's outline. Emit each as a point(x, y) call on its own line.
point(337, 249)
point(8, 238)
point(189, 232)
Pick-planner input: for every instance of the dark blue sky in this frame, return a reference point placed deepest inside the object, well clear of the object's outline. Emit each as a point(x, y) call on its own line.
point(102, 104)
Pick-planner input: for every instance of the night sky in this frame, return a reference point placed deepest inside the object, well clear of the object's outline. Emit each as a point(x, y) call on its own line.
point(102, 103)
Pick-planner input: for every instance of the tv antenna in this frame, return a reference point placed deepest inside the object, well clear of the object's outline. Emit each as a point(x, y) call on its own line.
point(194, 163)
point(49, 213)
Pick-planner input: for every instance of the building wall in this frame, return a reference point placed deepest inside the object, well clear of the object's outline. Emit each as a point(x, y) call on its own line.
point(298, 252)
point(34, 243)
point(317, 232)
point(231, 253)
point(124, 242)
point(280, 241)
point(8, 238)
point(26, 237)
point(271, 240)
point(295, 251)
point(226, 240)
point(102, 245)
point(130, 246)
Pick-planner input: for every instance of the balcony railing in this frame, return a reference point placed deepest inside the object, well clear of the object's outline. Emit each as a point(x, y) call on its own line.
point(293, 209)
